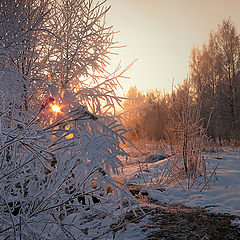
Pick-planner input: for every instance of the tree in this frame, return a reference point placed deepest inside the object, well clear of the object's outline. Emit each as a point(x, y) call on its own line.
point(79, 56)
point(156, 115)
point(186, 132)
point(146, 114)
point(214, 73)
point(133, 112)
point(54, 167)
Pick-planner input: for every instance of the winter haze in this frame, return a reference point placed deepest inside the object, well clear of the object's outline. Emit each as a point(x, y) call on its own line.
point(161, 35)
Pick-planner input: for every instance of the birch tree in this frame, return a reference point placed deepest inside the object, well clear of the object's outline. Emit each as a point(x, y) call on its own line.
point(214, 72)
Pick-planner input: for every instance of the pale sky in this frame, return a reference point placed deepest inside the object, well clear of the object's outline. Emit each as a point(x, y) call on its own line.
point(161, 35)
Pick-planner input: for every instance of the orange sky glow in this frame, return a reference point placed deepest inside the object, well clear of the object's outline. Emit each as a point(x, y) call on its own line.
point(161, 35)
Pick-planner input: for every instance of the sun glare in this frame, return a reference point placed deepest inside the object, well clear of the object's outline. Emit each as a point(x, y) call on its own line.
point(56, 108)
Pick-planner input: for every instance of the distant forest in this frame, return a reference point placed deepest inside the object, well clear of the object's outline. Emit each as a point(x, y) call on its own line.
point(209, 98)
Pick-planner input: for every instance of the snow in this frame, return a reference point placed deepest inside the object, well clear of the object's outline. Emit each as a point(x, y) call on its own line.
point(236, 223)
point(223, 196)
point(132, 231)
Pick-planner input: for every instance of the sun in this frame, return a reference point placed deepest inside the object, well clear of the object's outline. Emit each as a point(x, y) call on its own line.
point(56, 108)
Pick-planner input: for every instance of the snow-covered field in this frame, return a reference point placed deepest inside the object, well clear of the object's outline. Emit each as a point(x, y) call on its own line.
point(222, 196)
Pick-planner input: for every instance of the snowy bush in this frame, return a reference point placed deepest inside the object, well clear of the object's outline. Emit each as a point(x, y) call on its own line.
point(49, 173)
point(55, 166)
point(188, 139)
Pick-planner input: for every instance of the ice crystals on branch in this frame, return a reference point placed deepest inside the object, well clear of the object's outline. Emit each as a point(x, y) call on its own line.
point(47, 102)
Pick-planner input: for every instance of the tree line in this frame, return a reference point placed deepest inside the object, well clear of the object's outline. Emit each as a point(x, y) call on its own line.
point(211, 91)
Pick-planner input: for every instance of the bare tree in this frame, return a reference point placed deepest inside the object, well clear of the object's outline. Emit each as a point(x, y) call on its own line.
point(187, 137)
point(214, 72)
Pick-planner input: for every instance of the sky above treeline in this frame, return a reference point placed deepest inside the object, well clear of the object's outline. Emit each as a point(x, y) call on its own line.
point(161, 35)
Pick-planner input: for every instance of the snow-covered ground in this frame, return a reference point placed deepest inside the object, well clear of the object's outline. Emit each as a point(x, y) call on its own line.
point(223, 196)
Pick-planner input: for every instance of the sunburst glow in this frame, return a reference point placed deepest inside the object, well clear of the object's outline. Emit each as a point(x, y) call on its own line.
point(56, 108)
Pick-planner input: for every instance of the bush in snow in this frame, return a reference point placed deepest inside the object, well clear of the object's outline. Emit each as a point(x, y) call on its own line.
point(188, 140)
point(55, 166)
